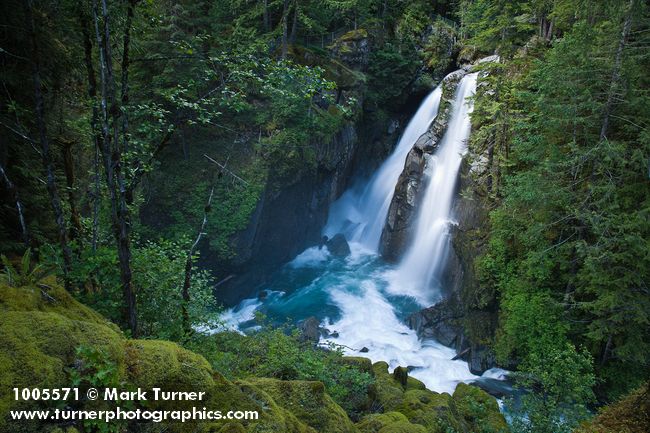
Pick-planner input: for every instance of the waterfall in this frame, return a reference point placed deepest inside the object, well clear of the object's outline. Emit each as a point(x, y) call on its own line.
point(360, 216)
point(426, 255)
point(361, 298)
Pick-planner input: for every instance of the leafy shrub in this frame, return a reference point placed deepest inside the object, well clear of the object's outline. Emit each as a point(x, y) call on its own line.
point(279, 353)
point(158, 272)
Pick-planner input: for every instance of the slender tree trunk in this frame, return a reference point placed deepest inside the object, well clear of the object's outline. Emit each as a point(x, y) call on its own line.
point(75, 219)
point(294, 25)
point(285, 25)
point(112, 153)
point(13, 191)
point(52, 189)
point(125, 72)
point(187, 282)
point(94, 121)
point(267, 22)
point(616, 72)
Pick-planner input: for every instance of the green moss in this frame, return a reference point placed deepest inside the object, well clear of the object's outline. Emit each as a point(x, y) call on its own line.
point(308, 401)
point(413, 383)
point(403, 427)
point(279, 418)
point(354, 35)
point(362, 364)
point(376, 421)
point(400, 374)
point(49, 297)
point(387, 392)
point(39, 334)
point(152, 362)
point(232, 427)
point(426, 407)
point(473, 408)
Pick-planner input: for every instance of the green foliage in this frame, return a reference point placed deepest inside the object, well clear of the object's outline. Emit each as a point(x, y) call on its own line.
point(389, 66)
point(566, 236)
point(280, 354)
point(95, 369)
point(561, 381)
point(26, 274)
point(158, 273)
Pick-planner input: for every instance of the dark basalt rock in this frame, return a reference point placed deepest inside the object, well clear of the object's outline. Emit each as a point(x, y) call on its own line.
point(311, 331)
point(338, 246)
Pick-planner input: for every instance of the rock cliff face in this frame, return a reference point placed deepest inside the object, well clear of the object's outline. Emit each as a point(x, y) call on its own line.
point(290, 214)
point(289, 219)
point(410, 186)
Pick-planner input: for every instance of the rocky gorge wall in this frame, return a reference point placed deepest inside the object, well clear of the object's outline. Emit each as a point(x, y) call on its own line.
point(289, 219)
point(289, 215)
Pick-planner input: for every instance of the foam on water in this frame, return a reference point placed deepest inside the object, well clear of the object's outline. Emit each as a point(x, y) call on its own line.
point(310, 257)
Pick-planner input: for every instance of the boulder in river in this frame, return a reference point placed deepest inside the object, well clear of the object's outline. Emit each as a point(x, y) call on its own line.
point(310, 330)
point(338, 246)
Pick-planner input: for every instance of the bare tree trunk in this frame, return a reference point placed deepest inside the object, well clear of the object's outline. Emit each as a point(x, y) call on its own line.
point(112, 153)
point(45, 148)
point(285, 25)
point(13, 191)
point(267, 22)
point(616, 72)
point(187, 326)
point(294, 25)
point(125, 72)
point(75, 219)
point(92, 96)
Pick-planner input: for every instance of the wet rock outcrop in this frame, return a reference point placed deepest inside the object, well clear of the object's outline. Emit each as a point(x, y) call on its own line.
point(338, 246)
point(410, 186)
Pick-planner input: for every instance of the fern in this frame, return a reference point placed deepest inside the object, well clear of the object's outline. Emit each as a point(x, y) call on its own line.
point(26, 275)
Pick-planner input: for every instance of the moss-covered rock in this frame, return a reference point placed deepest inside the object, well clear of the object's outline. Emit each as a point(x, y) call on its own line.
point(472, 408)
point(387, 392)
point(308, 401)
point(41, 331)
point(375, 422)
point(360, 363)
point(41, 328)
point(426, 408)
point(403, 427)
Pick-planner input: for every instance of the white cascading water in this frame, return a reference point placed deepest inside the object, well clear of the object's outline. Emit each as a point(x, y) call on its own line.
point(361, 217)
point(362, 299)
point(427, 253)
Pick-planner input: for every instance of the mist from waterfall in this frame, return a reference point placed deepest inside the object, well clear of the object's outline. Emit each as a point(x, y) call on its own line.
point(426, 255)
point(360, 215)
